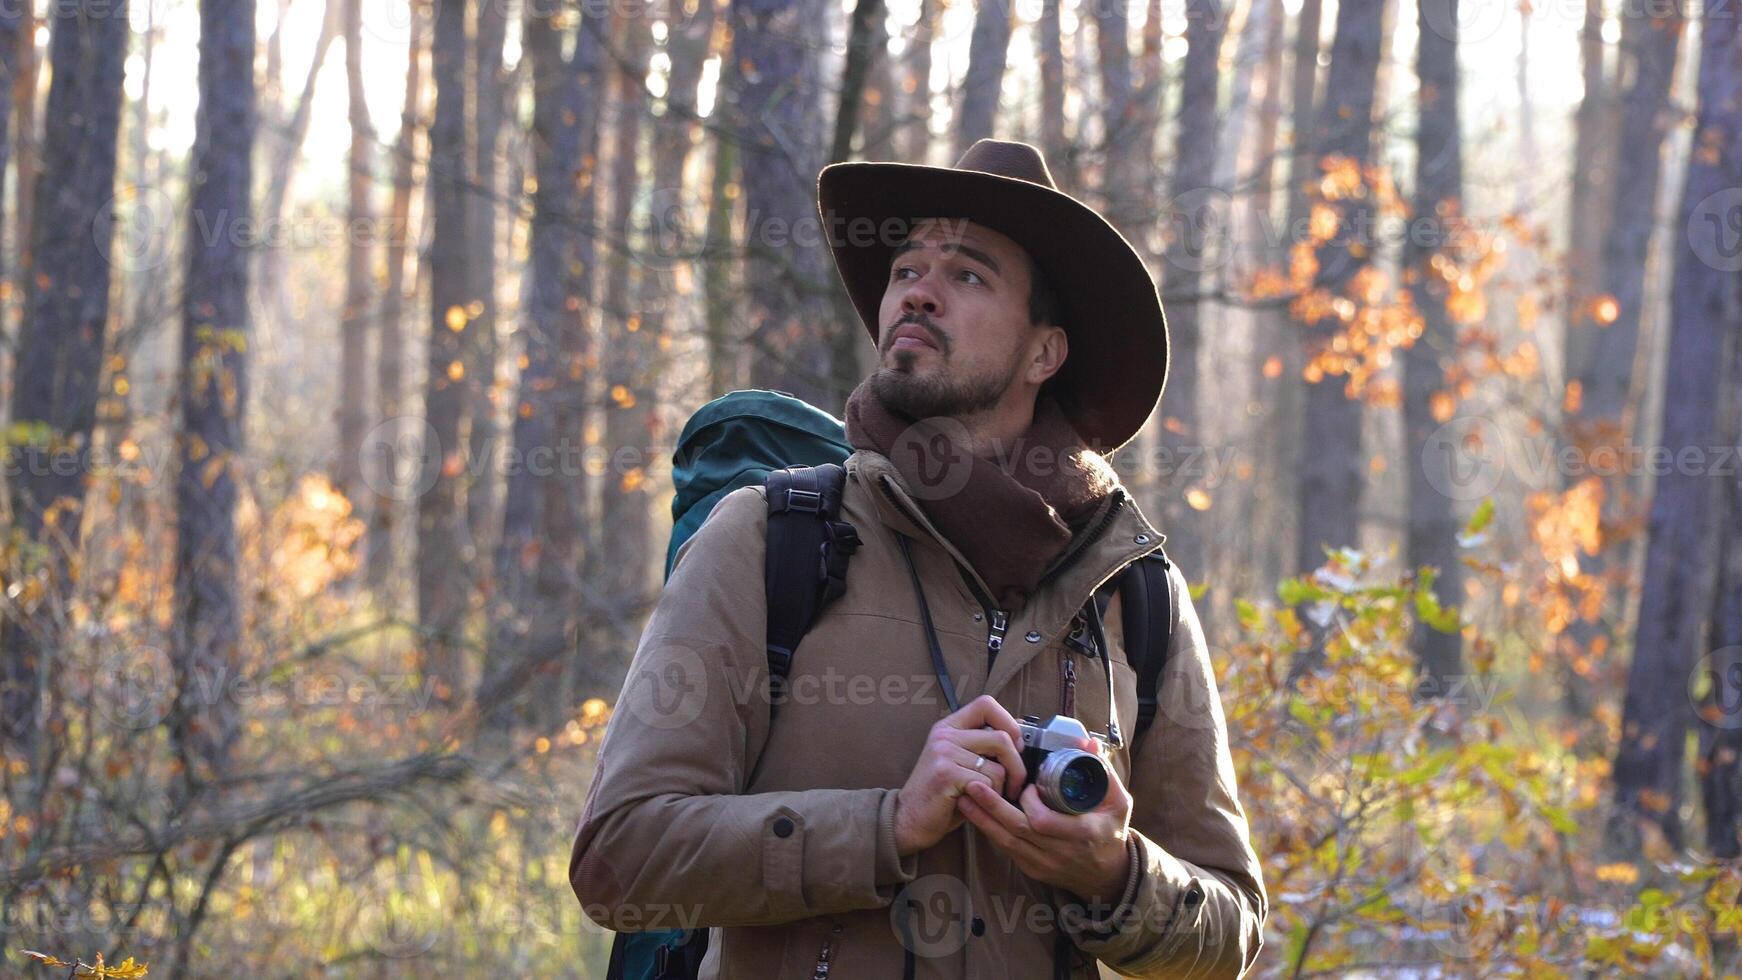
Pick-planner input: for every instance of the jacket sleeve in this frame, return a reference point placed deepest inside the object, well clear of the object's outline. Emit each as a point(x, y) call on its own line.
point(669, 838)
point(1194, 903)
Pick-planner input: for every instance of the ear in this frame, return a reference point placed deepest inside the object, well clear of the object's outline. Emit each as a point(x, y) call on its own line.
point(1047, 352)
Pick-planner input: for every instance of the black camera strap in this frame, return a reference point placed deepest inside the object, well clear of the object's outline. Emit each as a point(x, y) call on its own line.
point(1100, 634)
point(931, 634)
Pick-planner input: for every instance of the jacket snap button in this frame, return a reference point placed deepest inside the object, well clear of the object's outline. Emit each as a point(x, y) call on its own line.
point(783, 827)
point(979, 616)
point(1143, 539)
point(1033, 636)
point(979, 926)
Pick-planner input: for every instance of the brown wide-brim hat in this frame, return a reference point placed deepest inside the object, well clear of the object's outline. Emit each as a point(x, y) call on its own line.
point(1117, 364)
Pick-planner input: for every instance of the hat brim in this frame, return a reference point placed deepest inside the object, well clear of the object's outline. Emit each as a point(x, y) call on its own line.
point(1117, 366)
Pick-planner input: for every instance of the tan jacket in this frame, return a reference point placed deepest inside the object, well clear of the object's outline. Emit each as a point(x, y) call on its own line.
point(780, 836)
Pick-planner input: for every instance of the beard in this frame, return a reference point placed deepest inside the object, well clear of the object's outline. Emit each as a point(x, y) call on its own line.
point(915, 397)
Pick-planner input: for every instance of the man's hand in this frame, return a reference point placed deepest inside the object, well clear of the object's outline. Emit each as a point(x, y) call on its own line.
point(1084, 854)
point(925, 809)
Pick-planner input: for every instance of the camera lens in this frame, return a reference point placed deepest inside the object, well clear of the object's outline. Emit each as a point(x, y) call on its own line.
point(1071, 781)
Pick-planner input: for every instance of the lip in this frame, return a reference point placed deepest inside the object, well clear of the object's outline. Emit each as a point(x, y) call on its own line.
point(911, 336)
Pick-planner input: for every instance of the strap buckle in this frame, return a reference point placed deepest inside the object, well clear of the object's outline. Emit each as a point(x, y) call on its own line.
point(809, 501)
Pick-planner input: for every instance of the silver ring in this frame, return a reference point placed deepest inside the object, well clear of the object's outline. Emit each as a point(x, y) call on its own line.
point(979, 763)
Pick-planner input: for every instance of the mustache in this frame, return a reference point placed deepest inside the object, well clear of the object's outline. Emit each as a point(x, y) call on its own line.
point(923, 322)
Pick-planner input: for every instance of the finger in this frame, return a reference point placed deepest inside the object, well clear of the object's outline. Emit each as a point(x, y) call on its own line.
point(985, 710)
point(977, 814)
point(991, 772)
point(993, 743)
point(1048, 822)
point(1011, 819)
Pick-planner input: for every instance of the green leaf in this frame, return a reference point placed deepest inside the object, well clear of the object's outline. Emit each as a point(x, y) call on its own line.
point(1295, 591)
point(1479, 520)
point(1248, 615)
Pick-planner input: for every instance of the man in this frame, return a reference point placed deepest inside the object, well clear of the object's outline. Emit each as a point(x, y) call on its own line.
point(864, 828)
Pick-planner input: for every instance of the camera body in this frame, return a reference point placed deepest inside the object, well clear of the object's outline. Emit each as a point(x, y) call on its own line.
point(1064, 763)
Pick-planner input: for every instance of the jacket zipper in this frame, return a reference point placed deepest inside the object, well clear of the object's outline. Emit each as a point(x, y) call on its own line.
point(1085, 540)
point(1069, 676)
point(826, 955)
point(998, 618)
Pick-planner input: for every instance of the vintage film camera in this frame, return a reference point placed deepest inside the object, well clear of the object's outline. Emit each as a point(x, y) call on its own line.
point(1063, 763)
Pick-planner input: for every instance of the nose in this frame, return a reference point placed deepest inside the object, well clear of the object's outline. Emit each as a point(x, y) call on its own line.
point(920, 297)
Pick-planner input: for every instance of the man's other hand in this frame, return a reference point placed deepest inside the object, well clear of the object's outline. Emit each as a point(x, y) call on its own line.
point(926, 808)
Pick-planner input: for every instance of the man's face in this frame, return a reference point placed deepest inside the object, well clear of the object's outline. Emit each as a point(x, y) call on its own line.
point(954, 333)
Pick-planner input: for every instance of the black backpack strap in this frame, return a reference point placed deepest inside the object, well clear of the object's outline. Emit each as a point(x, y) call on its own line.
point(1149, 612)
point(807, 553)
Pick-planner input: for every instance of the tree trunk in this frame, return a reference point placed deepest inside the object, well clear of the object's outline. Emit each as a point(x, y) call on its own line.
point(1686, 523)
point(60, 344)
point(626, 515)
point(1594, 155)
point(722, 300)
point(1280, 388)
point(852, 356)
point(1332, 475)
point(391, 485)
point(865, 43)
point(24, 107)
point(1251, 522)
point(882, 93)
point(773, 71)
point(534, 616)
point(1060, 150)
point(284, 149)
point(1599, 421)
point(442, 589)
point(1720, 765)
point(11, 20)
point(490, 95)
point(215, 332)
point(988, 47)
point(1590, 206)
point(1121, 157)
point(917, 72)
point(1183, 496)
point(355, 318)
point(1151, 93)
point(1432, 534)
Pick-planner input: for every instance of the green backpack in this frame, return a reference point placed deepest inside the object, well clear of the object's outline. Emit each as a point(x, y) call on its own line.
point(769, 438)
point(744, 439)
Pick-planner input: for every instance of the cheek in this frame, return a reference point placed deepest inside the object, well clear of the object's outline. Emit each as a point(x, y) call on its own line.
point(886, 311)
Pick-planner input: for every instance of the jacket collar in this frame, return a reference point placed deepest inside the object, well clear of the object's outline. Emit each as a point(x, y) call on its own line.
point(1118, 535)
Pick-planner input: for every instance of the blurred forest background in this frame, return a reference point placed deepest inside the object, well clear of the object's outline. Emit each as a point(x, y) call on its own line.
point(344, 344)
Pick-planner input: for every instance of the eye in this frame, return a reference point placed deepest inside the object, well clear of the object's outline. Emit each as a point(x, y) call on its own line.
point(978, 279)
point(899, 270)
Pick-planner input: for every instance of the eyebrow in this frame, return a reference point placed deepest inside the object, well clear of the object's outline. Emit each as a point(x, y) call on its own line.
point(970, 251)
